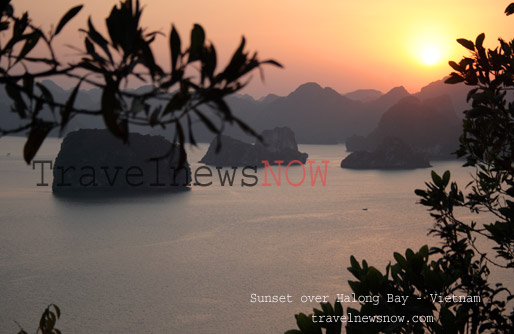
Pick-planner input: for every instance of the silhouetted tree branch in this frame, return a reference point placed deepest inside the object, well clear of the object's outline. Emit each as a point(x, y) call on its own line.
point(458, 266)
point(109, 63)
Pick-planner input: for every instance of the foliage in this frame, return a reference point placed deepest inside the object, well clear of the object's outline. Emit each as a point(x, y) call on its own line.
point(459, 266)
point(109, 63)
point(47, 321)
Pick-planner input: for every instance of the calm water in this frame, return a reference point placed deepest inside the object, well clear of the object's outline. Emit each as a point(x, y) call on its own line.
point(188, 262)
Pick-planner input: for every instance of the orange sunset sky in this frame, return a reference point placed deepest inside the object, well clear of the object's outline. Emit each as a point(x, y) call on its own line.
point(343, 44)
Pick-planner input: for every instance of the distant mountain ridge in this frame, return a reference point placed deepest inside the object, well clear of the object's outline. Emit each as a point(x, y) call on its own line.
point(316, 114)
point(364, 95)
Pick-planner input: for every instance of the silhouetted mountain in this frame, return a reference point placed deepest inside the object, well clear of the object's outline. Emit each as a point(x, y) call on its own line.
point(364, 95)
point(429, 127)
point(317, 115)
point(312, 90)
point(269, 98)
point(457, 93)
point(391, 97)
point(246, 97)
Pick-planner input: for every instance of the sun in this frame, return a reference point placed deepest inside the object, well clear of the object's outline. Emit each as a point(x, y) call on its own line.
point(428, 43)
point(430, 55)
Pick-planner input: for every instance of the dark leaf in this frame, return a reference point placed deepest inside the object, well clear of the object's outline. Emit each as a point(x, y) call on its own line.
point(223, 107)
point(446, 178)
point(148, 59)
point(86, 64)
point(13, 91)
point(175, 49)
point(471, 93)
point(68, 107)
point(177, 76)
point(455, 66)
point(453, 79)
point(49, 99)
point(510, 9)
point(154, 117)
point(90, 48)
point(67, 17)
point(480, 40)
point(400, 260)
point(28, 84)
point(436, 179)
point(247, 129)
point(477, 112)
point(98, 39)
point(192, 140)
point(4, 25)
point(30, 43)
point(209, 63)
point(38, 107)
point(467, 44)
point(139, 104)
point(420, 192)
point(117, 28)
point(110, 112)
point(57, 310)
point(37, 135)
point(272, 62)
point(197, 42)
point(181, 140)
point(233, 69)
point(177, 102)
point(207, 122)
point(20, 26)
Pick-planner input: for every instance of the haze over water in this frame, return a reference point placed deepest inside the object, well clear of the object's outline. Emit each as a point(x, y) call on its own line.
point(188, 262)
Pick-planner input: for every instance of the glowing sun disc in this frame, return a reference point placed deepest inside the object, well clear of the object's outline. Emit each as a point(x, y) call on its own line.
point(430, 56)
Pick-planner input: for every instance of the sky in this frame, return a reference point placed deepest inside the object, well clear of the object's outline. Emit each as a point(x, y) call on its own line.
point(342, 44)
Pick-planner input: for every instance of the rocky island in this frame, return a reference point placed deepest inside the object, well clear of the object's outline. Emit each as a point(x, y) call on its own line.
point(392, 153)
point(277, 144)
point(94, 160)
point(429, 126)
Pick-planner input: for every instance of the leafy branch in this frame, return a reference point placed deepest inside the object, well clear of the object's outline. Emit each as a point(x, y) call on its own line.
point(109, 63)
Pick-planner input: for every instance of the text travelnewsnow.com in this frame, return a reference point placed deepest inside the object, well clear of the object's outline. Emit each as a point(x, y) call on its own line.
point(374, 300)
